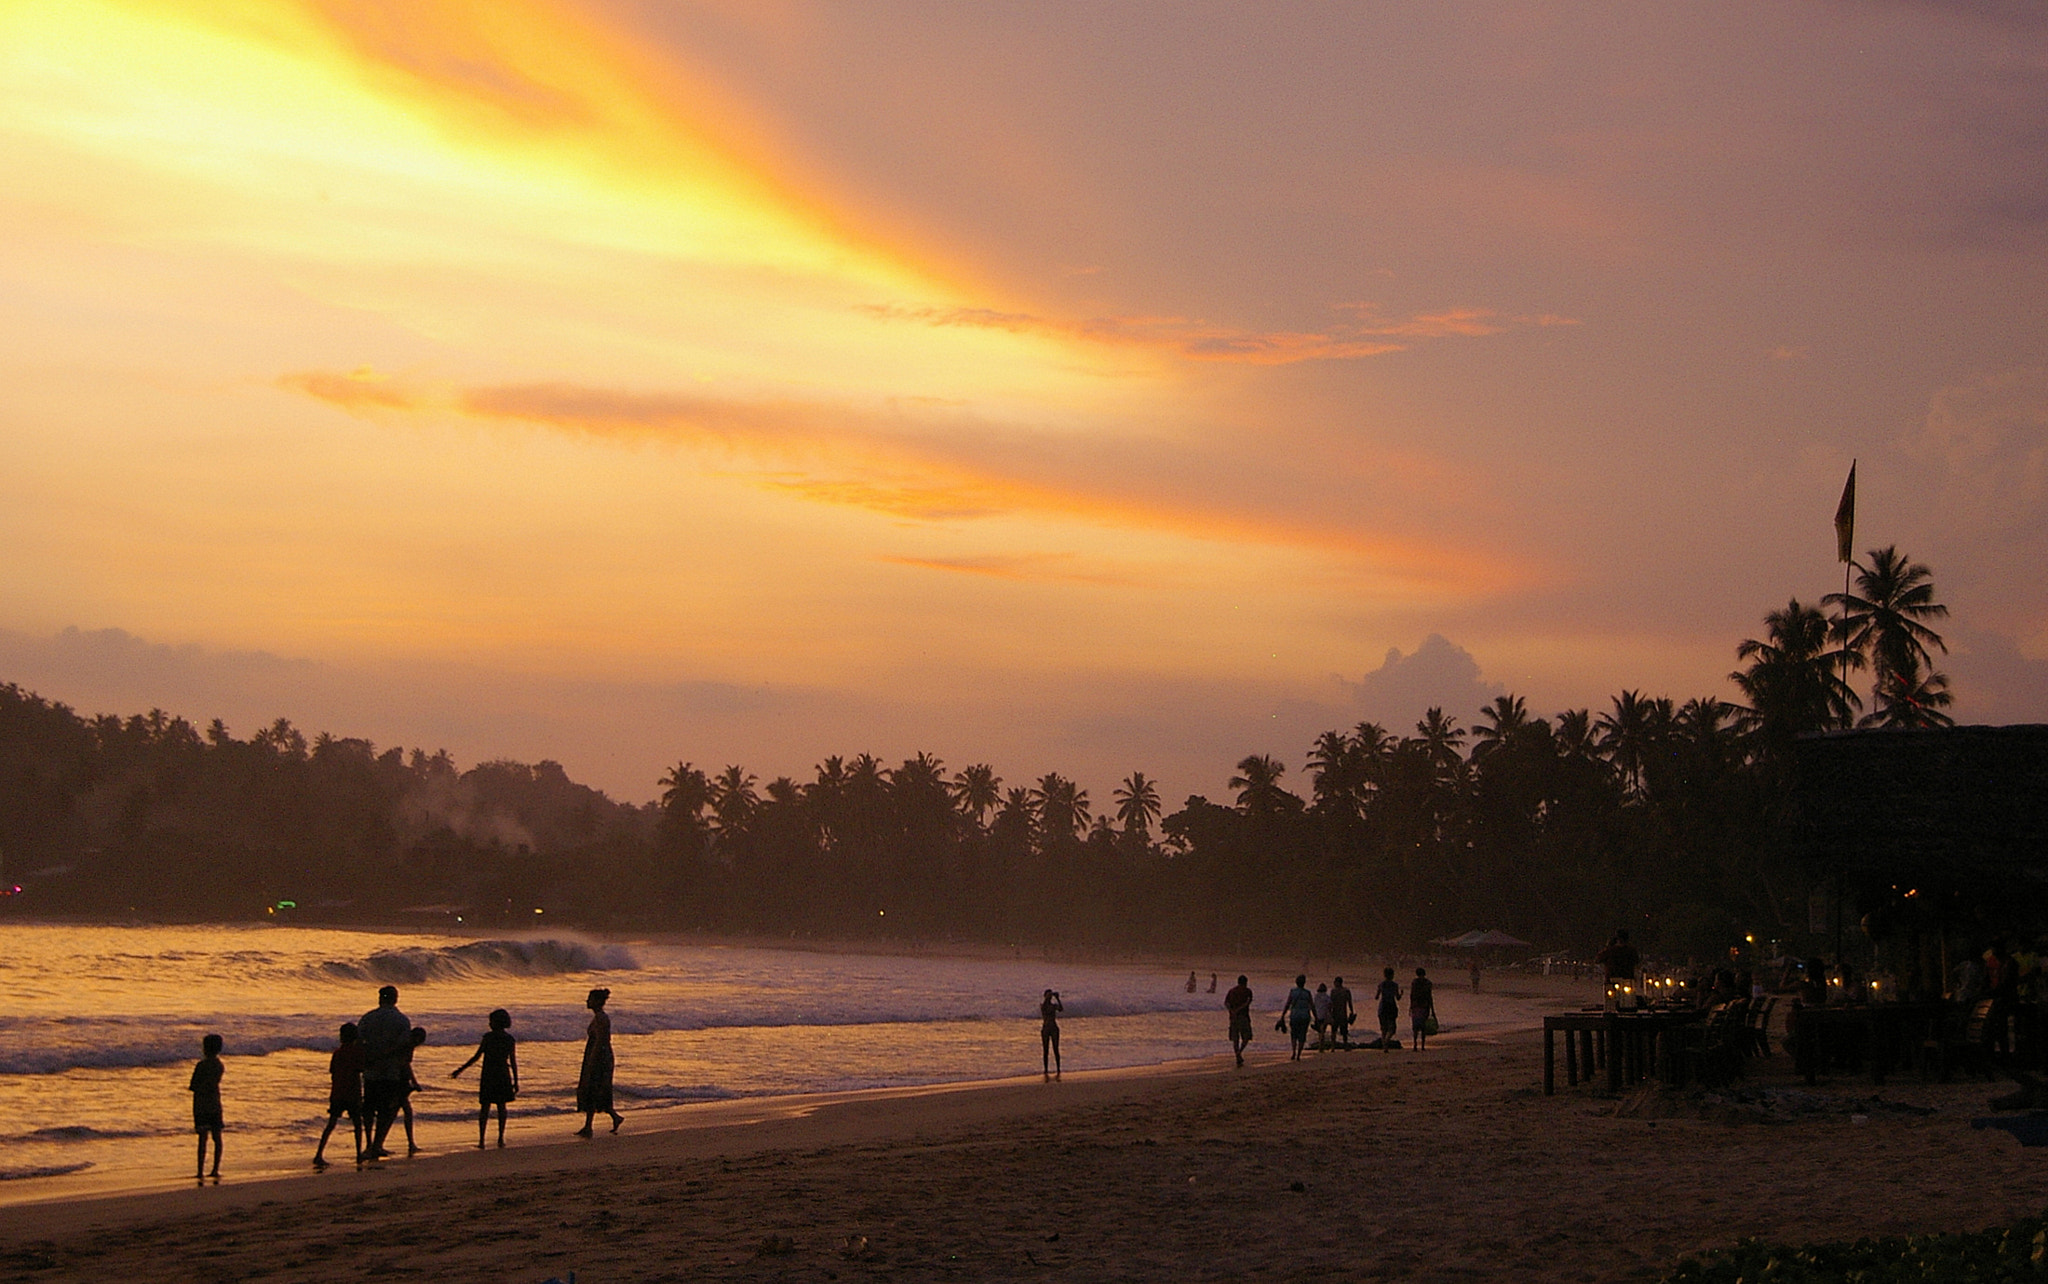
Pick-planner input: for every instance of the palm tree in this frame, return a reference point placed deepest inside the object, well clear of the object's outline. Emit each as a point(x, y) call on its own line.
point(1062, 807)
point(977, 789)
point(1574, 739)
point(1442, 741)
point(1793, 683)
point(1507, 715)
point(1258, 786)
point(1628, 734)
point(1016, 818)
point(732, 798)
point(1909, 701)
point(920, 785)
point(1374, 741)
point(1339, 767)
point(684, 794)
point(1882, 622)
point(1137, 803)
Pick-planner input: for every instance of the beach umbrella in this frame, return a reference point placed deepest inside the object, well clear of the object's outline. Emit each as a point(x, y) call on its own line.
point(1481, 940)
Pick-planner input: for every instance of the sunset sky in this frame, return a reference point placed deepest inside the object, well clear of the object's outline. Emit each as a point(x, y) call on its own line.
point(1072, 387)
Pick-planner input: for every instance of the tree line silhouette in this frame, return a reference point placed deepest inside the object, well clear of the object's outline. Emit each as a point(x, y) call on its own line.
point(1671, 816)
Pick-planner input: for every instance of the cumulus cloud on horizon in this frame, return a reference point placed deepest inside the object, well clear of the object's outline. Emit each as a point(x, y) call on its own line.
point(1439, 673)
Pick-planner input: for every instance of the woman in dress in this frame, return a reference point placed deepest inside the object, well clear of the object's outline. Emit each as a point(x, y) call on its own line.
point(498, 1081)
point(594, 1085)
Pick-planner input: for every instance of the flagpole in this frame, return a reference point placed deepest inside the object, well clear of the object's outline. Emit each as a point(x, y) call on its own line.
point(1845, 549)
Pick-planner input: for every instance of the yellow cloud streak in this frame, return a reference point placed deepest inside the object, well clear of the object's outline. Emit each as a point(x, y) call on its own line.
point(491, 175)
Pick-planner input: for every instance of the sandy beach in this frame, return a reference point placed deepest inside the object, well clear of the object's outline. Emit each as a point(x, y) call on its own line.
point(1450, 1164)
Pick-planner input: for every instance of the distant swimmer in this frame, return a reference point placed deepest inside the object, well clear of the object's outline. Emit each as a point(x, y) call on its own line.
point(1049, 1010)
point(1238, 1003)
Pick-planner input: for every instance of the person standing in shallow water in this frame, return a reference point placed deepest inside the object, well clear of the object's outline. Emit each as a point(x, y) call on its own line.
point(206, 1112)
point(1421, 1007)
point(594, 1084)
point(1238, 1003)
point(344, 1092)
point(1049, 1010)
point(498, 1082)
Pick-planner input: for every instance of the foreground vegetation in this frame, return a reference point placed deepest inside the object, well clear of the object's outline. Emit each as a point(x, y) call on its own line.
point(1994, 1256)
point(1670, 815)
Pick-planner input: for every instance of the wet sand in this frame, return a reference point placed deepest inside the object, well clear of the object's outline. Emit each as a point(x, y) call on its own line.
point(1444, 1165)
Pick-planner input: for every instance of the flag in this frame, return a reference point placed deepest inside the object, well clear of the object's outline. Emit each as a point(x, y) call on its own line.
point(1845, 519)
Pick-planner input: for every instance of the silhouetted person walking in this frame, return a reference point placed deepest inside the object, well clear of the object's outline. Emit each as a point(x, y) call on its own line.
point(1296, 1015)
point(1421, 1007)
point(1389, 996)
point(1342, 1013)
point(594, 1084)
point(1238, 1003)
point(344, 1092)
point(498, 1082)
point(1049, 1010)
point(386, 1036)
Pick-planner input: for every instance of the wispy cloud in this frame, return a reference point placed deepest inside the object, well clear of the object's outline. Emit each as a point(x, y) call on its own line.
point(934, 463)
point(1364, 334)
point(1055, 567)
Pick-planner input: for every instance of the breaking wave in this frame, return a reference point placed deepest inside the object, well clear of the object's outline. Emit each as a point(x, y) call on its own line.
point(474, 960)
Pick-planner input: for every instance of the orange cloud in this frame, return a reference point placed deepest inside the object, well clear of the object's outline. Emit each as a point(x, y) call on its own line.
point(932, 466)
point(1368, 335)
point(359, 392)
point(1026, 566)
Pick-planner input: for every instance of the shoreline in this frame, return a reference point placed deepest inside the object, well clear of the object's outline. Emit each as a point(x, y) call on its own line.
point(1449, 1164)
point(737, 1125)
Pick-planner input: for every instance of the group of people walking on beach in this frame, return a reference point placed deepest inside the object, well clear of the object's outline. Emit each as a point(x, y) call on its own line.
point(1328, 1011)
point(371, 1079)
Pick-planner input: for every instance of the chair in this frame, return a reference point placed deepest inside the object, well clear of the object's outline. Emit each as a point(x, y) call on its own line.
point(1758, 1025)
point(1960, 1042)
point(1713, 1050)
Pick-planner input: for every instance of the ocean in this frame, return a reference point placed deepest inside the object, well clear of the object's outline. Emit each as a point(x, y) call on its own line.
point(102, 1025)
